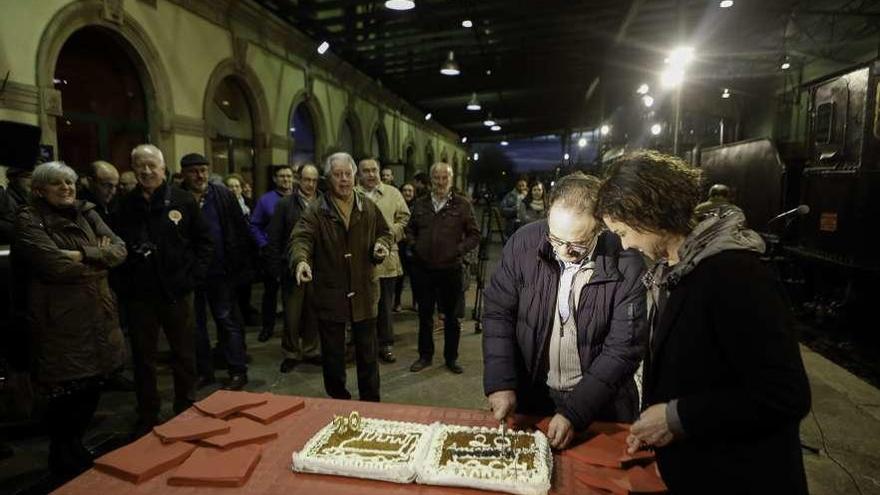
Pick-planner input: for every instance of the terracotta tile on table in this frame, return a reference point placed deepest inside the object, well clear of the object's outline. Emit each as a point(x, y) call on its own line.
point(223, 403)
point(274, 409)
point(242, 431)
point(212, 467)
point(190, 428)
point(144, 458)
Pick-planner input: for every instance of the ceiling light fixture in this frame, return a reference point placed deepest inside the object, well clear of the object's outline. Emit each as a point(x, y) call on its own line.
point(726, 4)
point(467, 23)
point(786, 64)
point(566, 156)
point(463, 139)
point(643, 89)
point(400, 4)
point(605, 130)
point(476, 156)
point(450, 66)
point(648, 101)
point(582, 142)
point(504, 143)
point(323, 47)
point(428, 116)
point(474, 104)
point(656, 129)
point(496, 128)
point(725, 94)
point(488, 72)
point(489, 122)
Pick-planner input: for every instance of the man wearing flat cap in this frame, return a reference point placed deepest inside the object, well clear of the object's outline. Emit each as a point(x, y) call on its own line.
point(232, 251)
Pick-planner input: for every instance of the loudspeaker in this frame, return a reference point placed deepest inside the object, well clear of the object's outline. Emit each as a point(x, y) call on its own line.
point(19, 145)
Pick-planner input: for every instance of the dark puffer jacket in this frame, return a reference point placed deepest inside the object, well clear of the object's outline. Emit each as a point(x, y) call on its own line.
point(520, 306)
point(72, 314)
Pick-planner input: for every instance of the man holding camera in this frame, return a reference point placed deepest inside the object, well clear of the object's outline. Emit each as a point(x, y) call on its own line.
point(170, 246)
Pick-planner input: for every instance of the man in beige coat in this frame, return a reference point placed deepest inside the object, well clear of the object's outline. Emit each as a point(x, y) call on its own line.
point(396, 213)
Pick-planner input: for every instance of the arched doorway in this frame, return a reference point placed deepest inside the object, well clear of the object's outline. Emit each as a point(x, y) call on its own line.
point(410, 161)
point(347, 137)
point(303, 131)
point(104, 102)
point(379, 144)
point(230, 116)
point(429, 155)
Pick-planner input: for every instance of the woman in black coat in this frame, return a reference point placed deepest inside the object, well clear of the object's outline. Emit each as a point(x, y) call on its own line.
point(724, 385)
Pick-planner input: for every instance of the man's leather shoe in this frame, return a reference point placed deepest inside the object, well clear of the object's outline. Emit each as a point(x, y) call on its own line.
point(288, 365)
point(204, 381)
point(419, 365)
point(454, 367)
point(236, 382)
point(265, 335)
point(387, 355)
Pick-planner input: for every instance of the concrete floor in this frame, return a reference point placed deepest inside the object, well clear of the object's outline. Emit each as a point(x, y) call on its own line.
point(841, 434)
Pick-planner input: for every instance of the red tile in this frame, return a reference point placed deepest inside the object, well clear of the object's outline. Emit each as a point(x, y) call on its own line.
point(192, 428)
point(144, 458)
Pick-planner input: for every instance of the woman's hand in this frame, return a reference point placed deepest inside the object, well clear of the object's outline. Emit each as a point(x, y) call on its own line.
point(73, 255)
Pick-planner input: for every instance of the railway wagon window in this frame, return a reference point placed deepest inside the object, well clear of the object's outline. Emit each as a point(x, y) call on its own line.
point(825, 123)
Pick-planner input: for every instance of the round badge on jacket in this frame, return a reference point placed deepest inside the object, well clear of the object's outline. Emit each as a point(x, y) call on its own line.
point(175, 216)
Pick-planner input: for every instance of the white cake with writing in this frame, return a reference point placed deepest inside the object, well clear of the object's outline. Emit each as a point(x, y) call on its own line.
point(487, 458)
point(365, 448)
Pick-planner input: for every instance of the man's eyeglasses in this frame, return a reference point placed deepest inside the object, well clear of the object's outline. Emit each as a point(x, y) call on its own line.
point(573, 246)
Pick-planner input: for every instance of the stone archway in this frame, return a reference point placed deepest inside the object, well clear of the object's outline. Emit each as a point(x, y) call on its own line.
point(379, 143)
point(305, 100)
point(132, 39)
point(429, 155)
point(350, 125)
point(247, 80)
point(408, 157)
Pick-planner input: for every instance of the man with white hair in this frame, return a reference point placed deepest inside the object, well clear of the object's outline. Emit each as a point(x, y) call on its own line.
point(441, 231)
point(169, 249)
point(343, 235)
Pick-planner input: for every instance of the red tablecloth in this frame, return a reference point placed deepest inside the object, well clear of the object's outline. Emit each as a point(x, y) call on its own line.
point(274, 476)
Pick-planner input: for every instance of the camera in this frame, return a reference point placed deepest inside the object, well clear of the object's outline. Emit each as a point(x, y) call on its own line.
point(145, 249)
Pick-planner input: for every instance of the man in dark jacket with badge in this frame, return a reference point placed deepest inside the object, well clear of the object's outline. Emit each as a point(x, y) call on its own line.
point(169, 250)
point(565, 319)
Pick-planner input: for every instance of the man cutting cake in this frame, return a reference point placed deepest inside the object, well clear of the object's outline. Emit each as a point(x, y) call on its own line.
point(565, 319)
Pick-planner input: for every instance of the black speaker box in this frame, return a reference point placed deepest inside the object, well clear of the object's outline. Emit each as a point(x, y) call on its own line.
point(19, 144)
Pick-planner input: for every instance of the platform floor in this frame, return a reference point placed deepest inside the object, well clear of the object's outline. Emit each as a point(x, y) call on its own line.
point(841, 435)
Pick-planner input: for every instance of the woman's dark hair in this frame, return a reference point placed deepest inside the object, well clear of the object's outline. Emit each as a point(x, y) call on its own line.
point(650, 192)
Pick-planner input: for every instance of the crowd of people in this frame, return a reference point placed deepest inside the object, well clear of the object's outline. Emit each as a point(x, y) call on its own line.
point(598, 278)
point(100, 257)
